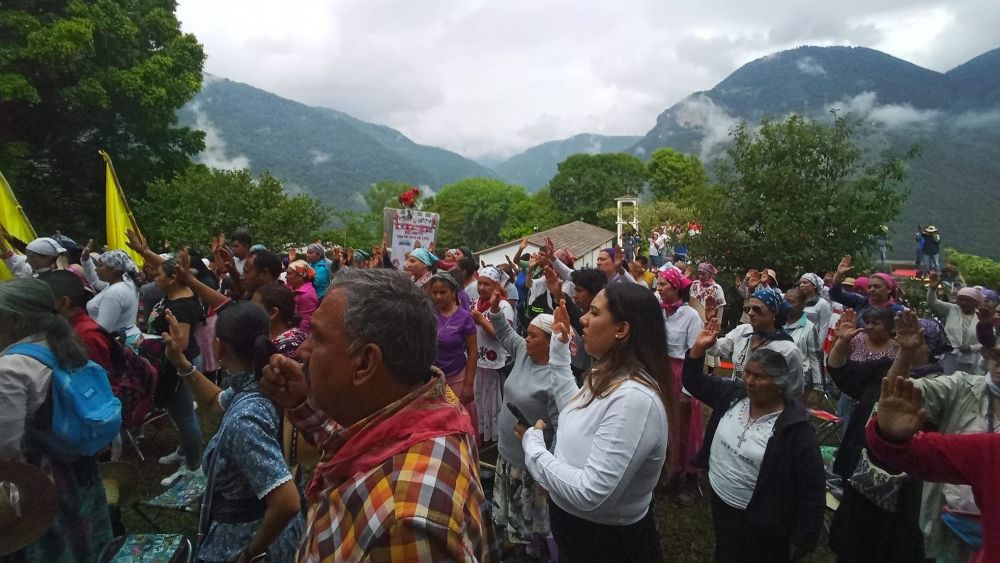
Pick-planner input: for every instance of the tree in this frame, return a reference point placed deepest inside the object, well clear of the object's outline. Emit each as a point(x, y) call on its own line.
point(361, 229)
point(201, 202)
point(671, 171)
point(474, 210)
point(796, 196)
point(589, 183)
point(78, 76)
point(535, 213)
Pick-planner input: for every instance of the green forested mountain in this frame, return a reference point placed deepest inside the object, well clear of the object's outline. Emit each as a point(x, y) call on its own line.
point(316, 150)
point(537, 165)
point(953, 116)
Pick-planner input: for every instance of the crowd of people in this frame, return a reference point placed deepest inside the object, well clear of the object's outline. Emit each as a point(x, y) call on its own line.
point(589, 381)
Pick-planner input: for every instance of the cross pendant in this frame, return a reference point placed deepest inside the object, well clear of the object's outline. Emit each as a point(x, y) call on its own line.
point(741, 438)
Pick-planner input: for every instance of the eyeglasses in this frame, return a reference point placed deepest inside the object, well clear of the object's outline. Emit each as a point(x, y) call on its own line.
point(755, 309)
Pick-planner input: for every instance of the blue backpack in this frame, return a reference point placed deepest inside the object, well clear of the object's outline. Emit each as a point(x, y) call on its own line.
point(86, 416)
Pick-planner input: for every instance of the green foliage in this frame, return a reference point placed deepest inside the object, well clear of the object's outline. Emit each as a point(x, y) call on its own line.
point(796, 197)
point(326, 152)
point(671, 171)
point(358, 229)
point(536, 213)
point(385, 194)
point(587, 184)
point(201, 202)
point(534, 167)
point(79, 76)
point(364, 229)
point(474, 210)
point(976, 270)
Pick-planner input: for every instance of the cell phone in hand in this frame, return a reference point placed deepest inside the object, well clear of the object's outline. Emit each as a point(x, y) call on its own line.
point(521, 419)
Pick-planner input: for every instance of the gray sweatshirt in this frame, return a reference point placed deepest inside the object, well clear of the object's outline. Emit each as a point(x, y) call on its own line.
point(529, 386)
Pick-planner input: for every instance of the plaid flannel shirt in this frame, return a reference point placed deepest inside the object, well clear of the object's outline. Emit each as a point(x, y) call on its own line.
point(424, 504)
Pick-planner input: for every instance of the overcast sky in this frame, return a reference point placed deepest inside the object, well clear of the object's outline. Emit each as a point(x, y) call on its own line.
point(493, 78)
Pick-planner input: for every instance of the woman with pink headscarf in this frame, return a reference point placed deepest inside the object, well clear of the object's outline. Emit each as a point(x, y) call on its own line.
point(879, 292)
point(683, 326)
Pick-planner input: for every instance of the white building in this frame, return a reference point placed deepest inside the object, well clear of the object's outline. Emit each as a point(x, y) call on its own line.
point(582, 239)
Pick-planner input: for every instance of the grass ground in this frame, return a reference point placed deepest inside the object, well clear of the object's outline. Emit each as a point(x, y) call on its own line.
point(686, 532)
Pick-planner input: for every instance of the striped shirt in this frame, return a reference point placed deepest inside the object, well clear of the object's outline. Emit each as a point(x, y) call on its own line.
point(423, 504)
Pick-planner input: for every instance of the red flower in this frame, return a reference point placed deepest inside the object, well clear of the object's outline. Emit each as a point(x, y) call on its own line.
point(491, 355)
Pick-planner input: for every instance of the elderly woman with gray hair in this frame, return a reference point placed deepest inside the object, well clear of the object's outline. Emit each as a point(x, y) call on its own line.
point(762, 455)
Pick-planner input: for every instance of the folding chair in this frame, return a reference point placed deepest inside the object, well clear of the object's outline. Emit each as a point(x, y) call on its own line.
point(148, 548)
point(827, 425)
point(183, 496)
point(128, 434)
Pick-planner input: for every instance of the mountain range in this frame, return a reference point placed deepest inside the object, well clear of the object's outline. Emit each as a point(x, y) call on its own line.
point(954, 117)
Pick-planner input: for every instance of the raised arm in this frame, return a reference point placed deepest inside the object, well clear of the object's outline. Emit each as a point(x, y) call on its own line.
point(894, 438)
point(706, 389)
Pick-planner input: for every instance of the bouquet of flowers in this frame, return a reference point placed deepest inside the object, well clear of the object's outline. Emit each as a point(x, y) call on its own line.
point(409, 197)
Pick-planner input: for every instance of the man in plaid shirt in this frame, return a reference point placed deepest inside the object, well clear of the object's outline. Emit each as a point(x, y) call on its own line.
point(398, 478)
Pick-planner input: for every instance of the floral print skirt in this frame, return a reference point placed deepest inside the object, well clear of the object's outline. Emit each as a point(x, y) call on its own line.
point(522, 507)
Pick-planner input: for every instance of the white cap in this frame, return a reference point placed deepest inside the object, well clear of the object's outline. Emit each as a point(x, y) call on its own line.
point(46, 246)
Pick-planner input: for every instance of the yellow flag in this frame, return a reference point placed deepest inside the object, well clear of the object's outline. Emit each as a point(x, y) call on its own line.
point(13, 219)
point(119, 216)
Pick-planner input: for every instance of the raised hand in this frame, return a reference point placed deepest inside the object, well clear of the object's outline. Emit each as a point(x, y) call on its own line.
point(909, 334)
point(706, 338)
point(847, 325)
point(85, 255)
point(184, 266)
point(900, 409)
point(711, 307)
point(845, 265)
point(560, 322)
point(136, 242)
point(524, 243)
point(550, 247)
point(934, 279)
point(172, 340)
point(754, 278)
point(513, 267)
point(284, 381)
point(552, 282)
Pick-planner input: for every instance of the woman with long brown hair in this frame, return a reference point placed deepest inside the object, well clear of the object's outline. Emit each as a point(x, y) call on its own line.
point(611, 443)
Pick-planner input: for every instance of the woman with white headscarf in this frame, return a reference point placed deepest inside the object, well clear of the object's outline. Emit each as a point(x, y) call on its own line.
point(492, 356)
point(818, 310)
point(117, 302)
point(521, 503)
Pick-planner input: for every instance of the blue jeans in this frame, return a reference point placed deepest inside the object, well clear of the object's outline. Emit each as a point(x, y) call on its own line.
point(933, 262)
point(180, 409)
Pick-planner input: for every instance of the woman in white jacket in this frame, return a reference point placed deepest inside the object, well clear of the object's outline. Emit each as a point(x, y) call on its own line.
point(117, 302)
point(611, 442)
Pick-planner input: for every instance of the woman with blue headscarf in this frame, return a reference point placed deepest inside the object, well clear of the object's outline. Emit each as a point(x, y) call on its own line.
point(766, 311)
point(420, 264)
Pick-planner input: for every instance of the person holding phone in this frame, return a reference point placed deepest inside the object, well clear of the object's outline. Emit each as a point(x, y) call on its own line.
point(611, 443)
point(521, 503)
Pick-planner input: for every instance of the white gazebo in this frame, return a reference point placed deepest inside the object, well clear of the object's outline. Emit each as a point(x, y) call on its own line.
point(628, 214)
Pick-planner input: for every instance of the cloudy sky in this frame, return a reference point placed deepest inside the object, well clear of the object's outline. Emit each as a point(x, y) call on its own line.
point(491, 78)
